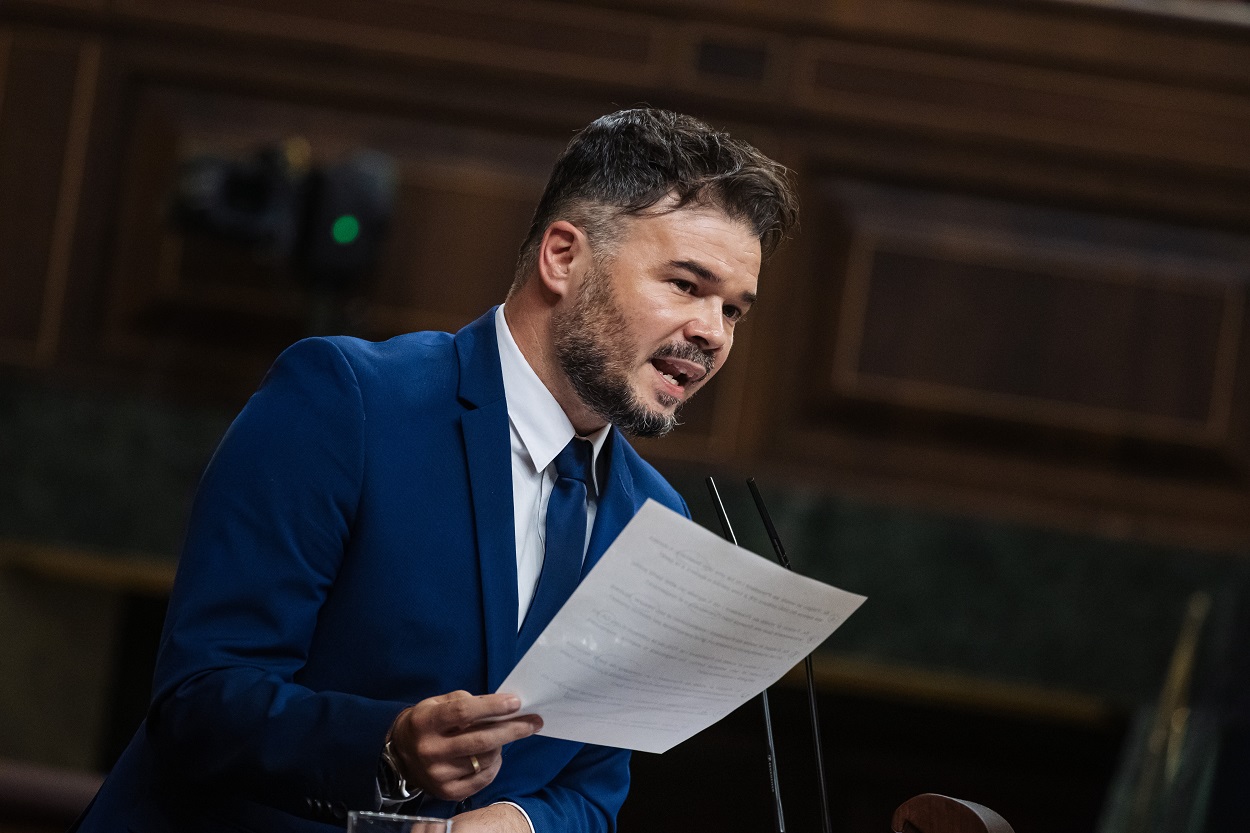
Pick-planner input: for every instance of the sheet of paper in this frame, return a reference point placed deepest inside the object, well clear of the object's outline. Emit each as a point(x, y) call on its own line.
point(672, 630)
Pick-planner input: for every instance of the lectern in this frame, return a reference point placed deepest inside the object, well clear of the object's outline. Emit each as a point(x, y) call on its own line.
point(932, 813)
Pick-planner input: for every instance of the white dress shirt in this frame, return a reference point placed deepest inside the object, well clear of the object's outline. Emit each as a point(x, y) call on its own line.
point(540, 430)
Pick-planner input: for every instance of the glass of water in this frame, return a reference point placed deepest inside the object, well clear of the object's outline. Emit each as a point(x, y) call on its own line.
point(360, 821)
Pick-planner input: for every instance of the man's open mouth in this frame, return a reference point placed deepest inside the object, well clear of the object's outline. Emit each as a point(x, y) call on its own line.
point(680, 372)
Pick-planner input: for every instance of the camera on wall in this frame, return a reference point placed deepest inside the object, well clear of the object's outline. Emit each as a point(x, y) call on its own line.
point(328, 223)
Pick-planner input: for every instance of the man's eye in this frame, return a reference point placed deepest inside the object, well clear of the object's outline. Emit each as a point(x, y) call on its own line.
point(734, 313)
point(683, 285)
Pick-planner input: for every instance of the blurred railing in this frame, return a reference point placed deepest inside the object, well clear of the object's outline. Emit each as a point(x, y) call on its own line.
point(1170, 779)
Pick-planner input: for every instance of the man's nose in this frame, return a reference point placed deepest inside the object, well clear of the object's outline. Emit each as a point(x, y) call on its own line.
point(707, 326)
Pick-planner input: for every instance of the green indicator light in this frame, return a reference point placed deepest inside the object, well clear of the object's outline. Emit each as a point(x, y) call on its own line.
point(345, 230)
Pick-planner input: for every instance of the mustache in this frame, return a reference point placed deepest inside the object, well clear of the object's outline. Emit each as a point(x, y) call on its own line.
point(688, 352)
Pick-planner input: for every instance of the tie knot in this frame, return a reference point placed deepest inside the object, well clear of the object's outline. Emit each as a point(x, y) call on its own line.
point(575, 462)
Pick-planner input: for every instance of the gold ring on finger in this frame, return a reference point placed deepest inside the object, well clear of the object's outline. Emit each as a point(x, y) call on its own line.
point(477, 766)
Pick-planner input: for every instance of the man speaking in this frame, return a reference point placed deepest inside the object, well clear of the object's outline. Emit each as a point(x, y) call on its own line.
point(387, 527)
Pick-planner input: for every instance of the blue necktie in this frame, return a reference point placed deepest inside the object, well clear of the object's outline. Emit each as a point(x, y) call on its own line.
point(566, 539)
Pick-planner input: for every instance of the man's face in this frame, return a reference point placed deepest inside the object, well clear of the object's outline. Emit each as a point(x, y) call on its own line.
point(651, 325)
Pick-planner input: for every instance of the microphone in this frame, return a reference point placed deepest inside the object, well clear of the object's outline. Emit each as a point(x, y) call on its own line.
point(773, 780)
point(825, 818)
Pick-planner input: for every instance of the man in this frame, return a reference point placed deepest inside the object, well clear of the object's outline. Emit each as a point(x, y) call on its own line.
point(386, 527)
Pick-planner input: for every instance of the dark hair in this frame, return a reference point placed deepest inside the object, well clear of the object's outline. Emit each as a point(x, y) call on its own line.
point(627, 162)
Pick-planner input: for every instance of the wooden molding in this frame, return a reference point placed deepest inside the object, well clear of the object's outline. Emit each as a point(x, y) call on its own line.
point(131, 573)
point(73, 169)
point(848, 674)
point(532, 38)
point(45, 109)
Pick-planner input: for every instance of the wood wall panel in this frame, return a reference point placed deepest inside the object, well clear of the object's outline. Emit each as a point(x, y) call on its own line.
point(989, 308)
point(48, 85)
point(1021, 343)
point(1200, 42)
point(457, 229)
point(1021, 277)
point(534, 38)
point(725, 61)
point(1023, 351)
point(1025, 104)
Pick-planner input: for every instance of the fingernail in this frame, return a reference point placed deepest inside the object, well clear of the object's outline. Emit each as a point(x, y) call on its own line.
point(513, 702)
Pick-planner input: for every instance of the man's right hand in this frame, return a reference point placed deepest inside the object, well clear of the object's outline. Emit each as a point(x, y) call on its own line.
point(436, 741)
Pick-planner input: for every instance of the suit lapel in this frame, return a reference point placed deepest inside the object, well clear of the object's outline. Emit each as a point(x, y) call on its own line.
point(489, 455)
point(488, 452)
point(617, 505)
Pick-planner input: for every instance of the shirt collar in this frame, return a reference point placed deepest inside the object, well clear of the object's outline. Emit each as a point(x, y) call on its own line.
point(539, 420)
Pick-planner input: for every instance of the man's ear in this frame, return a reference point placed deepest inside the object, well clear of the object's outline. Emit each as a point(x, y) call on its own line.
point(563, 257)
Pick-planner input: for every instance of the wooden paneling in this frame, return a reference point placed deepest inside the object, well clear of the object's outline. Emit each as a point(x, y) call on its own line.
point(1024, 104)
point(1015, 342)
point(457, 228)
point(539, 38)
point(1021, 281)
point(1022, 352)
point(726, 61)
point(45, 102)
point(1039, 316)
point(1197, 41)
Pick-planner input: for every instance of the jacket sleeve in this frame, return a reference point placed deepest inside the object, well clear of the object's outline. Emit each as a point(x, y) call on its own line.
point(264, 544)
point(585, 797)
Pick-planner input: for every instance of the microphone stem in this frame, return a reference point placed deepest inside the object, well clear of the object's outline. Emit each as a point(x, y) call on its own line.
point(774, 782)
point(826, 818)
point(773, 778)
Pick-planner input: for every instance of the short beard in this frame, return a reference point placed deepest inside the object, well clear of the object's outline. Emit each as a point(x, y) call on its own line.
point(584, 336)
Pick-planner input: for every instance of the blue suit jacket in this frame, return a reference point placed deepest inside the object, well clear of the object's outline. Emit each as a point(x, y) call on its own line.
point(351, 552)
